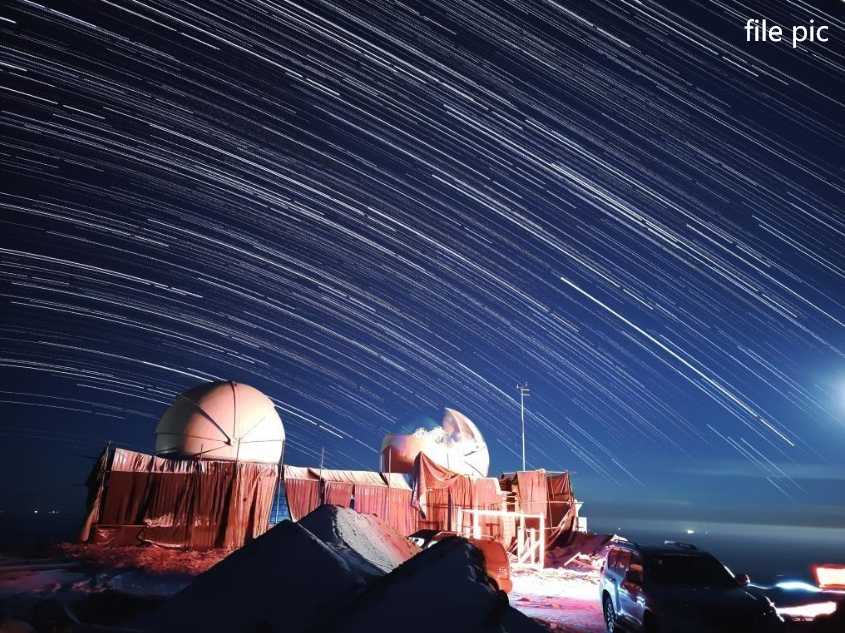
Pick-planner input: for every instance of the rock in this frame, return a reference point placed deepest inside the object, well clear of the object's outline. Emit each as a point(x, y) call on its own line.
point(52, 616)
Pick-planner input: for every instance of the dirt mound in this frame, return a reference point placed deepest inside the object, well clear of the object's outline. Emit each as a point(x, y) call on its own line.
point(282, 581)
point(444, 589)
point(362, 537)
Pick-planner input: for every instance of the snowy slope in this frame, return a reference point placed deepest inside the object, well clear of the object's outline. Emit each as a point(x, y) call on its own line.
point(360, 537)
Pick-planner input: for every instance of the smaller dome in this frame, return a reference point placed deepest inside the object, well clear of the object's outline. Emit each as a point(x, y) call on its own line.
point(456, 444)
point(222, 420)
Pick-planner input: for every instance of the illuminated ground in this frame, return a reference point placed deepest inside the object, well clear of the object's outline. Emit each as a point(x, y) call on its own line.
point(561, 599)
point(567, 600)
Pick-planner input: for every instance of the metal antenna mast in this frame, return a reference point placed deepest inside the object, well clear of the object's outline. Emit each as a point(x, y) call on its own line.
point(523, 391)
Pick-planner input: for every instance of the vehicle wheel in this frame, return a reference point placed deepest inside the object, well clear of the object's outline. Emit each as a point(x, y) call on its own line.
point(651, 625)
point(609, 614)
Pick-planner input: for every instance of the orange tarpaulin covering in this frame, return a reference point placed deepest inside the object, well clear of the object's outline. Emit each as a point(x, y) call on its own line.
point(402, 516)
point(388, 496)
point(341, 476)
point(338, 494)
point(429, 476)
point(539, 492)
point(486, 495)
point(303, 496)
point(438, 499)
point(349, 476)
point(396, 480)
point(371, 499)
point(437, 510)
point(182, 503)
point(533, 493)
point(561, 515)
point(439, 493)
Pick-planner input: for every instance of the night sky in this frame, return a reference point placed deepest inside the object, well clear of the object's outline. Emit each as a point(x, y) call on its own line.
point(373, 210)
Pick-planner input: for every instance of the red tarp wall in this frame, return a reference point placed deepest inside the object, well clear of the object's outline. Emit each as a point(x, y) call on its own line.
point(538, 492)
point(180, 503)
point(561, 515)
point(438, 494)
point(367, 492)
point(436, 498)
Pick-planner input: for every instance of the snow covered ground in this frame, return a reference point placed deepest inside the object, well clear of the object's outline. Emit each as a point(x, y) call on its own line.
point(567, 600)
point(560, 599)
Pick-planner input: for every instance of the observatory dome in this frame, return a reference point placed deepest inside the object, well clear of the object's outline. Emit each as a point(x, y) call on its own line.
point(456, 444)
point(222, 420)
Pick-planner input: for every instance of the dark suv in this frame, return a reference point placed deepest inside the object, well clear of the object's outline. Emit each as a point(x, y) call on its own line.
point(678, 588)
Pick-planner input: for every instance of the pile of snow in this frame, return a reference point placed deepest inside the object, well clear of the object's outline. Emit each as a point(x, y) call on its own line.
point(282, 581)
point(368, 544)
point(437, 435)
point(444, 589)
point(562, 583)
point(563, 600)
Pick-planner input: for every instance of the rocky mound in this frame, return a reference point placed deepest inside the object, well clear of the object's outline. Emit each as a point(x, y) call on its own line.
point(363, 540)
point(282, 581)
point(443, 589)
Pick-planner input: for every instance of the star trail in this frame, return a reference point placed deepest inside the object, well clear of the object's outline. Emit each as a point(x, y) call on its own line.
point(372, 210)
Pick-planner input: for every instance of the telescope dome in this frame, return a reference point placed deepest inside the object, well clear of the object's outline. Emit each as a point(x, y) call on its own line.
point(221, 420)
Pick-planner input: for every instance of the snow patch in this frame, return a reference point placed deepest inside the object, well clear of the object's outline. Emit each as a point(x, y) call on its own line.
point(367, 543)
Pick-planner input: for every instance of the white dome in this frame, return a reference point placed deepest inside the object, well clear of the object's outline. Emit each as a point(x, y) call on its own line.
point(456, 444)
point(222, 420)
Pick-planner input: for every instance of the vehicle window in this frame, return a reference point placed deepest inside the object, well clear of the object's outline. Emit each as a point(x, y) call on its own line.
point(611, 558)
point(622, 561)
point(678, 569)
point(636, 565)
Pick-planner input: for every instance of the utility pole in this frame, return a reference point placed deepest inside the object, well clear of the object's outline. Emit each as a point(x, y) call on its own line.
point(523, 391)
point(320, 486)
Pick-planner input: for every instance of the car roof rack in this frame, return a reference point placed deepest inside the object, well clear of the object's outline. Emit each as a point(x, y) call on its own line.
point(680, 544)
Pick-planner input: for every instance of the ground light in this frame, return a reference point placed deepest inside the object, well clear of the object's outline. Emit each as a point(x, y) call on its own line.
point(807, 611)
point(831, 576)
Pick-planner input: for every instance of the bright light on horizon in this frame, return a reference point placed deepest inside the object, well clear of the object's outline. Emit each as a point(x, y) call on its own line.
point(809, 611)
point(831, 576)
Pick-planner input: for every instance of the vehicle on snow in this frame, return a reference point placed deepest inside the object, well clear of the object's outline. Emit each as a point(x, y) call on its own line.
point(678, 588)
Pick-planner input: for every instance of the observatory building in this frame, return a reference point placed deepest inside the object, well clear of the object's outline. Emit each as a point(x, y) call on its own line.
point(217, 470)
point(210, 483)
point(456, 444)
point(222, 420)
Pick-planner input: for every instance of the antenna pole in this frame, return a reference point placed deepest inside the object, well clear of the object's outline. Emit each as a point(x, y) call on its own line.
point(523, 391)
point(320, 485)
